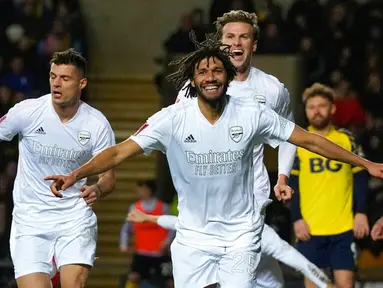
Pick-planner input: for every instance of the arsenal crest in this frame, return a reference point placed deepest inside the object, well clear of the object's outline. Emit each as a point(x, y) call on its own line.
point(236, 133)
point(83, 137)
point(260, 99)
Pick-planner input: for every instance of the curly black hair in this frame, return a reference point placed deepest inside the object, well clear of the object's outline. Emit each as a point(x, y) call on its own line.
point(211, 47)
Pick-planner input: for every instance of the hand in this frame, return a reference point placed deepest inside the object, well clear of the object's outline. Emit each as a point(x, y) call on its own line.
point(165, 247)
point(375, 170)
point(302, 230)
point(361, 228)
point(377, 230)
point(283, 191)
point(137, 216)
point(124, 249)
point(90, 194)
point(61, 182)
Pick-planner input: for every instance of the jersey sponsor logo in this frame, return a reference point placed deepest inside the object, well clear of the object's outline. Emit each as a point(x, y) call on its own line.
point(3, 118)
point(214, 163)
point(83, 137)
point(141, 128)
point(57, 156)
point(318, 165)
point(190, 139)
point(260, 99)
point(40, 131)
point(236, 133)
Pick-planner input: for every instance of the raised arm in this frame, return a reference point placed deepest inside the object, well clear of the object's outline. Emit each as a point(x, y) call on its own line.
point(155, 134)
point(106, 160)
point(320, 145)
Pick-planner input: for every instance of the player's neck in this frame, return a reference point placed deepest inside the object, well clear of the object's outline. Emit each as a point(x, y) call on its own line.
point(242, 75)
point(66, 113)
point(323, 131)
point(212, 111)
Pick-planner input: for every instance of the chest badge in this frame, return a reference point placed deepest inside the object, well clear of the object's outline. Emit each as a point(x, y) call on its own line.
point(236, 133)
point(260, 99)
point(83, 137)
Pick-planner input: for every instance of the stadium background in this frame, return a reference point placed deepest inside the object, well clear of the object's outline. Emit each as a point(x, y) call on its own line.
point(129, 43)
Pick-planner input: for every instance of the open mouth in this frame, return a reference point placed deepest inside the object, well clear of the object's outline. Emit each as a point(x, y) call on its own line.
point(57, 93)
point(211, 88)
point(237, 52)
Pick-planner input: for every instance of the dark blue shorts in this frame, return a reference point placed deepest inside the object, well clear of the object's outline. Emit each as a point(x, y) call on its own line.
point(334, 251)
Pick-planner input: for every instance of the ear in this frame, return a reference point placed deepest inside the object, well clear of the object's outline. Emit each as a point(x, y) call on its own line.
point(255, 46)
point(83, 83)
point(192, 83)
point(333, 109)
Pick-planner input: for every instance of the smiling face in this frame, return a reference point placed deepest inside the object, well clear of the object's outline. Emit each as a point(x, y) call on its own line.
point(240, 37)
point(66, 83)
point(210, 79)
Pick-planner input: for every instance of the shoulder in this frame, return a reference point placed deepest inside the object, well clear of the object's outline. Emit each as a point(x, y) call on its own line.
point(263, 78)
point(345, 133)
point(349, 137)
point(173, 111)
point(95, 116)
point(29, 106)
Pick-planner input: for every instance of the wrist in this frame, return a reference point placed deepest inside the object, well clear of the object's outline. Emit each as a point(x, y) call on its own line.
point(98, 190)
point(76, 175)
point(282, 179)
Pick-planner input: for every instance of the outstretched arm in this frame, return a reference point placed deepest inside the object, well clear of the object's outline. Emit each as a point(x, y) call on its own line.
point(104, 161)
point(320, 145)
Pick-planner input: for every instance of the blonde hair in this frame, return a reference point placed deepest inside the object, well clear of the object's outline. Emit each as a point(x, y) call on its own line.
point(238, 16)
point(318, 89)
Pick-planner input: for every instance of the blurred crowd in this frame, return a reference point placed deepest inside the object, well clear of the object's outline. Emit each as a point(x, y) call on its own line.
point(339, 41)
point(33, 31)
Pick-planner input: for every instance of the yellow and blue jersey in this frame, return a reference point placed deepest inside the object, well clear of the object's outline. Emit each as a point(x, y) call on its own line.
point(326, 187)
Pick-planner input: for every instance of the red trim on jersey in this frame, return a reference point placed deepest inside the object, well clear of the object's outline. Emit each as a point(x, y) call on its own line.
point(141, 128)
point(3, 118)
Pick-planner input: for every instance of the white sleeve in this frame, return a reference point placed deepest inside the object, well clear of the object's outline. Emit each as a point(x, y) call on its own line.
point(156, 133)
point(287, 151)
point(167, 222)
point(272, 128)
point(182, 93)
point(280, 250)
point(13, 122)
point(105, 139)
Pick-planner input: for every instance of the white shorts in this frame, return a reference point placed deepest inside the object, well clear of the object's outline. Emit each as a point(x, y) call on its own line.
point(74, 243)
point(269, 273)
point(230, 267)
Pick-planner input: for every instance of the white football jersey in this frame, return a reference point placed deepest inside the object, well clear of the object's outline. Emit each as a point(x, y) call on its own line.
point(212, 167)
point(49, 147)
point(264, 89)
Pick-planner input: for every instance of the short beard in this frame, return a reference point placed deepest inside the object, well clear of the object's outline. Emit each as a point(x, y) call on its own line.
point(321, 125)
point(212, 102)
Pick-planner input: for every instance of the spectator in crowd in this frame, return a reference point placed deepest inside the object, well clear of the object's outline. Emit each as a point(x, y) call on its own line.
point(151, 245)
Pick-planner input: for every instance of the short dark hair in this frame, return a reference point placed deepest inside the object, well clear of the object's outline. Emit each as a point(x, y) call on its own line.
point(211, 47)
point(151, 184)
point(70, 57)
point(318, 89)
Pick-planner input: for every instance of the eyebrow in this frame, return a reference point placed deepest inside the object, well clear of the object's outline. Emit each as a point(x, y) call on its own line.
point(62, 76)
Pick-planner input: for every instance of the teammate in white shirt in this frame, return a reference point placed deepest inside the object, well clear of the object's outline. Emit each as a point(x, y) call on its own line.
point(272, 247)
point(209, 146)
point(57, 134)
point(240, 30)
